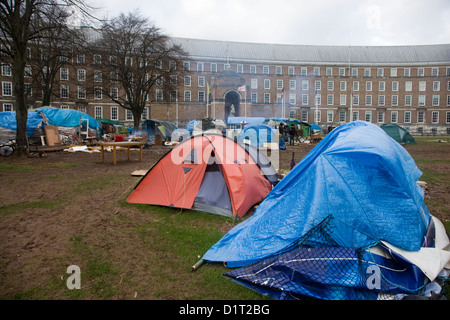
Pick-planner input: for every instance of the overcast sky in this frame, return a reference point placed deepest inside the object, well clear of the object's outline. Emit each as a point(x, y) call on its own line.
point(309, 22)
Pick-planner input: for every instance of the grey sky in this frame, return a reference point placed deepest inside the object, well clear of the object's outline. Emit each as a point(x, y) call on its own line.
point(312, 22)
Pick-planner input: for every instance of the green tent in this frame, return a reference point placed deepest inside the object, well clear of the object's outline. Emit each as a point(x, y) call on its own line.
point(399, 134)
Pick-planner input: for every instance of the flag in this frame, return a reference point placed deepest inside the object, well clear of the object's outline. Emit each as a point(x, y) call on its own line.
point(241, 88)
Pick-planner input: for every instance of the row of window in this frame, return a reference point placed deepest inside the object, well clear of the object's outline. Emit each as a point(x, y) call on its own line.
point(317, 71)
point(381, 116)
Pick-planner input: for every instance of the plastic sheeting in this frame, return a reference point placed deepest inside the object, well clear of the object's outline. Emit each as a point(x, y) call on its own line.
point(258, 135)
point(66, 117)
point(356, 175)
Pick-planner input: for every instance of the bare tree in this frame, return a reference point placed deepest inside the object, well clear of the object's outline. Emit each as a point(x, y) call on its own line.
point(17, 29)
point(141, 59)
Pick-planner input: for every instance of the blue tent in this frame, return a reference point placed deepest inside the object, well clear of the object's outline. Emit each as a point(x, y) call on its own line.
point(258, 134)
point(355, 190)
point(359, 176)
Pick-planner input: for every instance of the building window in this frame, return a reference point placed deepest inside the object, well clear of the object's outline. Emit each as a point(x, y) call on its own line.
point(98, 112)
point(81, 92)
point(366, 72)
point(381, 100)
point(266, 83)
point(6, 70)
point(254, 83)
point(214, 67)
point(330, 99)
point(355, 115)
point(186, 66)
point(343, 99)
point(435, 117)
point(380, 116)
point(330, 116)
point(380, 72)
point(304, 99)
point(342, 72)
point(97, 59)
point(305, 85)
point(394, 85)
point(394, 116)
point(408, 100)
point(421, 100)
point(114, 93)
point(254, 97)
point(407, 72)
point(7, 107)
point(355, 85)
point(356, 99)
point(266, 97)
point(201, 96)
point(7, 88)
point(394, 100)
point(318, 85)
point(434, 72)
point(381, 86)
point(368, 100)
point(421, 117)
point(342, 116)
point(436, 85)
point(435, 101)
point(368, 85)
point(81, 75)
point(408, 86)
point(394, 72)
point(354, 72)
point(114, 113)
point(279, 70)
point(64, 91)
point(64, 74)
point(97, 76)
point(81, 59)
point(448, 117)
point(316, 71)
point(292, 98)
point(279, 84)
point(187, 81)
point(266, 69)
point(368, 116)
point(407, 116)
point(97, 93)
point(200, 66)
point(330, 85)
point(304, 71)
point(291, 71)
point(187, 96)
point(422, 86)
point(343, 85)
point(420, 72)
point(129, 115)
point(253, 69)
point(292, 85)
point(201, 82)
point(329, 72)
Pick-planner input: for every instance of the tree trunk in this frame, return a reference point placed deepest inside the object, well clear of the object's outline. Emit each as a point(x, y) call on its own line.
point(136, 120)
point(21, 104)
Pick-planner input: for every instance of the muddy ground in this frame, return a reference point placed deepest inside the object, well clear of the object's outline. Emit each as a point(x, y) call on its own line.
point(45, 201)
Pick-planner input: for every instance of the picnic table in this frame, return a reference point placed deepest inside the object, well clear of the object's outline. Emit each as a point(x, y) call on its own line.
point(123, 144)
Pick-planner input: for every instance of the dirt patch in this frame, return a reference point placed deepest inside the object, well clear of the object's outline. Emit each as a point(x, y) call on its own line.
point(61, 206)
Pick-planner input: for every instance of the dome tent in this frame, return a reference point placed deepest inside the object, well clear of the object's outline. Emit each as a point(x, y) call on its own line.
point(399, 134)
point(208, 173)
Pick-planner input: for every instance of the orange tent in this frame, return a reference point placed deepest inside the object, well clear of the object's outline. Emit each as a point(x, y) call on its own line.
point(208, 173)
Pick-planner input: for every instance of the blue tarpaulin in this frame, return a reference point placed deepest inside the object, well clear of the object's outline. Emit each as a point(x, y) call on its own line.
point(66, 117)
point(358, 176)
point(8, 121)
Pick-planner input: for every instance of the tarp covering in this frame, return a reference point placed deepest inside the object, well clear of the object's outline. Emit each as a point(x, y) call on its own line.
point(399, 134)
point(358, 176)
point(8, 121)
point(66, 117)
point(245, 120)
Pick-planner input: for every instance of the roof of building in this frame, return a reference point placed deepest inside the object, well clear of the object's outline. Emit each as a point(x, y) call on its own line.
point(315, 54)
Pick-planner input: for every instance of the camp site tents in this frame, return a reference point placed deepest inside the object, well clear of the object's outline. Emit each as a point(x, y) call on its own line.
point(348, 222)
point(258, 135)
point(208, 173)
point(314, 128)
point(399, 134)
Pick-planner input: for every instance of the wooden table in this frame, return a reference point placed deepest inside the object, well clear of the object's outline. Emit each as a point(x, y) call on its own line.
point(124, 144)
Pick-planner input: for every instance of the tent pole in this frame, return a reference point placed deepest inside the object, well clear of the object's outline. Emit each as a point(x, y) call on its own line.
point(197, 265)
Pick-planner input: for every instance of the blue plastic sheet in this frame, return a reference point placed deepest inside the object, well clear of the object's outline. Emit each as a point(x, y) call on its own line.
point(357, 175)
